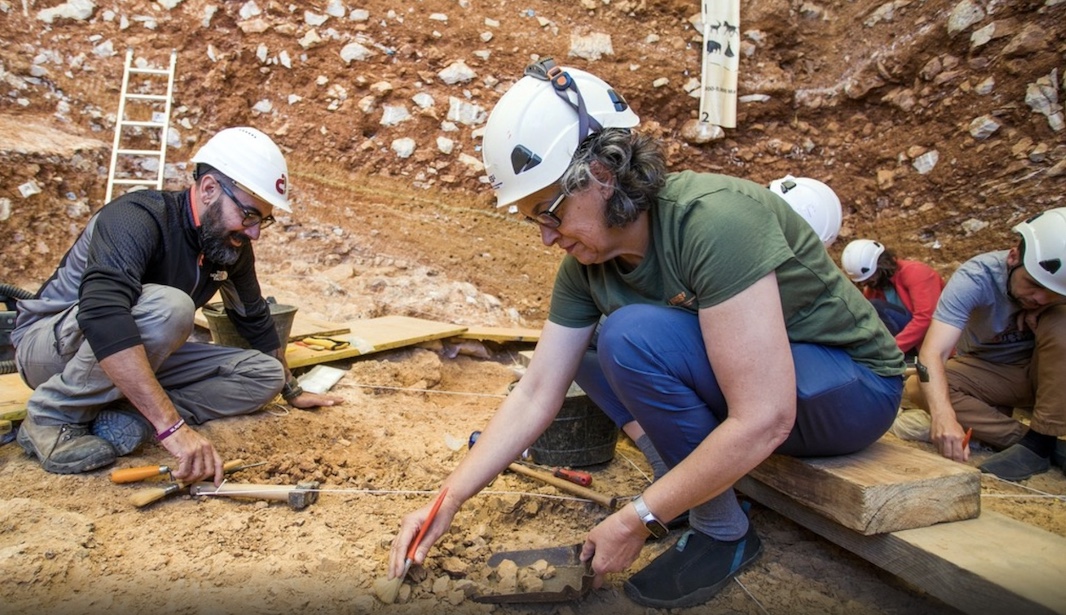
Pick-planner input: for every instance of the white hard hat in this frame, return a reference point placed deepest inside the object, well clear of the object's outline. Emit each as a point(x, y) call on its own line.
point(535, 128)
point(860, 259)
point(250, 158)
point(815, 202)
point(1045, 248)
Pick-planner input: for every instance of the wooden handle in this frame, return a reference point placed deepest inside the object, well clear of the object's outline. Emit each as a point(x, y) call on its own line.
point(244, 490)
point(132, 475)
point(144, 497)
point(564, 485)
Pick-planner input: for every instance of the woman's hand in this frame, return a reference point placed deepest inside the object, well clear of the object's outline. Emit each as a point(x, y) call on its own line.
point(409, 527)
point(615, 543)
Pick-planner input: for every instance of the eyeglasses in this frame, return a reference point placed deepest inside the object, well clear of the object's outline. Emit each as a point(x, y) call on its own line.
point(252, 216)
point(548, 218)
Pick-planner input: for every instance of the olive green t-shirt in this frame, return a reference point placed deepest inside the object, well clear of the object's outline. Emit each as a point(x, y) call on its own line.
point(712, 236)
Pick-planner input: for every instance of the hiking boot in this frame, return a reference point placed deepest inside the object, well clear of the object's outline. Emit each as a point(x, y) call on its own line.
point(64, 449)
point(124, 427)
point(1015, 464)
point(693, 571)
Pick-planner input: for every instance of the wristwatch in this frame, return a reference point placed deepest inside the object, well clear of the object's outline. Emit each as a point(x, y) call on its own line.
point(291, 390)
point(651, 522)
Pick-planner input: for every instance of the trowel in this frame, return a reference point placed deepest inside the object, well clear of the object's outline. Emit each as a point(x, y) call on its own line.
point(572, 578)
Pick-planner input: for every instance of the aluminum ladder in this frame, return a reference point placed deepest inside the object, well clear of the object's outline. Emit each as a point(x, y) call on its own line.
point(160, 120)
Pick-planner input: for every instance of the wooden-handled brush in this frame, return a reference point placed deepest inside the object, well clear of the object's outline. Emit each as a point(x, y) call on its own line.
point(388, 589)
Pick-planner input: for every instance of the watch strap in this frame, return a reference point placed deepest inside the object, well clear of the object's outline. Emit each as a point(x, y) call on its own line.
point(291, 390)
point(651, 522)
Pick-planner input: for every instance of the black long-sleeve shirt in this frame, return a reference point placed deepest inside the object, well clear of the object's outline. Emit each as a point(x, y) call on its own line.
point(145, 237)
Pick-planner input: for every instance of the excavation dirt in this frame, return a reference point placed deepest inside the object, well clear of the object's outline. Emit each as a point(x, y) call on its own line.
point(889, 103)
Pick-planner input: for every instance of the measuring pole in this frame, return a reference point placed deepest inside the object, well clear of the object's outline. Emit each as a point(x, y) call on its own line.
point(720, 54)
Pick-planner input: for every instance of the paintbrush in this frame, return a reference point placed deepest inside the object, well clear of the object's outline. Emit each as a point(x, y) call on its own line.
point(390, 588)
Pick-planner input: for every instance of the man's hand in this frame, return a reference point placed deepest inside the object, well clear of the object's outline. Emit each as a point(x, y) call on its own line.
point(1027, 319)
point(197, 458)
point(308, 400)
point(950, 438)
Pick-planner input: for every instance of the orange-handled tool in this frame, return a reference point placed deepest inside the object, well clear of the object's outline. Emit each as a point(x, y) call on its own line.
point(132, 475)
point(391, 587)
point(422, 531)
point(966, 438)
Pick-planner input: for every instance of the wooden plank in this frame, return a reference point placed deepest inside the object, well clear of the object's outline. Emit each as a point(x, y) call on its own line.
point(990, 565)
point(374, 335)
point(883, 488)
point(13, 397)
point(501, 334)
point(302, 326)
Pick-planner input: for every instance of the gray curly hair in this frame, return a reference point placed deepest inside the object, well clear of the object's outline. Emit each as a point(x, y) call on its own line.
point(637, 169)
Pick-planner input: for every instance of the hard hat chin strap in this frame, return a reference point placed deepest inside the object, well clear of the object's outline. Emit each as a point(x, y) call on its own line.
point(561, 81)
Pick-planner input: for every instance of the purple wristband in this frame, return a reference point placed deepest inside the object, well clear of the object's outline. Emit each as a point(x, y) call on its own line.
point(169, 431)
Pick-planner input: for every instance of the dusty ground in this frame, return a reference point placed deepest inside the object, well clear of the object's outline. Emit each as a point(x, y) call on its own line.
point(376, 234)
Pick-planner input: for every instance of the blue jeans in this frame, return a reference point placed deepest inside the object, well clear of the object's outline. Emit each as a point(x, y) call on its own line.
point(894, 316)
point(651, 365)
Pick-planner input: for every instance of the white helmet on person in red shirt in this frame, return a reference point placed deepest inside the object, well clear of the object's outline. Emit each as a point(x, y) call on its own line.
point(251, 159)
point(815, 202)
point(859, 259)
point(535, 128)
point(1045, 248)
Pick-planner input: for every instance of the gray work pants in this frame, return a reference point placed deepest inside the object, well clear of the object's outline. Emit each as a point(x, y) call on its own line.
point(204, 381)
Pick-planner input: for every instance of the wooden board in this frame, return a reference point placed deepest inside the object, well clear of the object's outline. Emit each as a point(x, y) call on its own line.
point(302, 326)
point(883, 488)
point(374, 335)
point(990, 565)
point(13, 396)
point(501, 334)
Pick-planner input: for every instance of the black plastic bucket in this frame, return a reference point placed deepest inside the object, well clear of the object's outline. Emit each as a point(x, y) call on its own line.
point(581, 435)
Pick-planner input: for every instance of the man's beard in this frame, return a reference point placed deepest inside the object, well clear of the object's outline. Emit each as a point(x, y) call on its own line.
point(216, 239)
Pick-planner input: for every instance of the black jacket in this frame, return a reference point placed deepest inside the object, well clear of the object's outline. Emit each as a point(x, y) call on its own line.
point(145, 237)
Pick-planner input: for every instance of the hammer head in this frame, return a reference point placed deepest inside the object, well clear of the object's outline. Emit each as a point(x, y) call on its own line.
point(303, 495)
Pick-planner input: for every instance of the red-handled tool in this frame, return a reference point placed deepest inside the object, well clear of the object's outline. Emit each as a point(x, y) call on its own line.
point(575, 476)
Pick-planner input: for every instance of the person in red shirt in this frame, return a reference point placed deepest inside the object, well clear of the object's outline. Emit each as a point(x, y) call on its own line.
point(904, 292)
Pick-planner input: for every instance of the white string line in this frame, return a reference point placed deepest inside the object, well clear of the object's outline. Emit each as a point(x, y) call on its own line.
point(412, 390)
point(394, 492)
point(1061, 498)
point(635, 467)
point(1021, 486)
point(752, 596)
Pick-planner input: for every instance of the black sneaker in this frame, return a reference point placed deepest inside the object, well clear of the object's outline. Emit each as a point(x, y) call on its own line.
point(1015, 464)
point(64, 449)
point(124, 427)
point(693, 571)
point(1058, 458)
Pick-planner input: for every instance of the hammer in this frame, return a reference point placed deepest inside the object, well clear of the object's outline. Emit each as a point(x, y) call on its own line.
point(605, 501)
point(299, 497)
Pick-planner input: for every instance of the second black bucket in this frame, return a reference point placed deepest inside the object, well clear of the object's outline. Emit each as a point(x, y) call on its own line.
point(580, 435)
